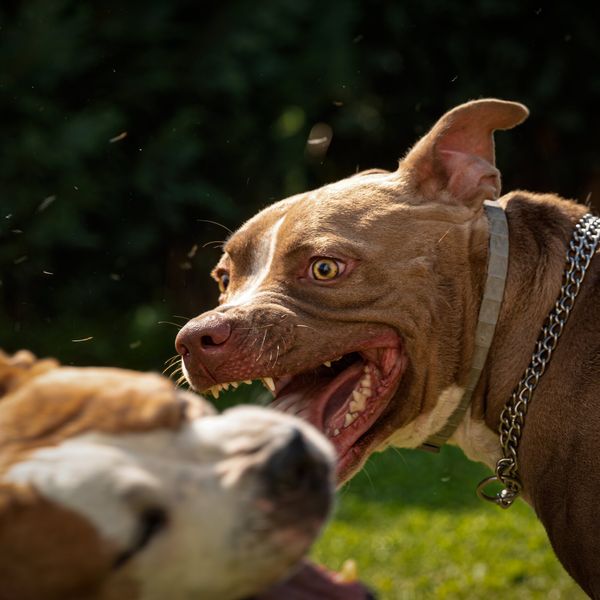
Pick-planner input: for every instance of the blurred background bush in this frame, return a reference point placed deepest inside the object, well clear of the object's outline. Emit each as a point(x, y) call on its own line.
point(135, 133)
point(128, 127)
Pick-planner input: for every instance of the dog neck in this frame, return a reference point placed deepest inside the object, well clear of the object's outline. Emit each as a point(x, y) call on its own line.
point(493, 294)
point(539, 231)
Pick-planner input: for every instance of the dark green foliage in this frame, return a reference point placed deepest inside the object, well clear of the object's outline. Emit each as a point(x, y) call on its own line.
point(217, 100)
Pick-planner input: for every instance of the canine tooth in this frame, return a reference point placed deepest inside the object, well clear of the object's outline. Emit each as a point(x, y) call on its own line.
point(336, 432)
point(268, 381)
point(235, 384)
point(225, 386)
point(214, 390)
point(327, 363)
point(349, 419)
point(248, 381)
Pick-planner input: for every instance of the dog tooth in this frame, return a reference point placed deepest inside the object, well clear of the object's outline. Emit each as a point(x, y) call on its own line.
point(349, 419)
point(225, 386)
point(268, 381)
point(235, 384)
point(336, 432)
point(327, 363)
point(214, 390)
point(358, 402)
point(247, 381)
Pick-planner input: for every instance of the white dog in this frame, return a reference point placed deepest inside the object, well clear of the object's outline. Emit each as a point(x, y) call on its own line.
point(115, 485)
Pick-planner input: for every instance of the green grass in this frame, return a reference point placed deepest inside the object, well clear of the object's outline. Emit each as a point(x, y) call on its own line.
point(417, 530)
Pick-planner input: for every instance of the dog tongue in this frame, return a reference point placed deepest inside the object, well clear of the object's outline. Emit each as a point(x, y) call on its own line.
point(318, 400)
point(313, 581)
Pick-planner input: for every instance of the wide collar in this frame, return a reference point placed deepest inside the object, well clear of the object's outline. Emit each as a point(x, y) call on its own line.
point(497, 267)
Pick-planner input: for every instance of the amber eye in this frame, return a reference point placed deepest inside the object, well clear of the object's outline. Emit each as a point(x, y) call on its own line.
point(223, 282)
point(325, 269)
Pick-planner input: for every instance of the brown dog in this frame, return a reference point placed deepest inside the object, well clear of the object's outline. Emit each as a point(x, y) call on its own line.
point(114, 485)
point(357, 304)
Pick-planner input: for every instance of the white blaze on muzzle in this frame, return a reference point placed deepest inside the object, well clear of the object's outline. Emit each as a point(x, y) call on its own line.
point(262, 261)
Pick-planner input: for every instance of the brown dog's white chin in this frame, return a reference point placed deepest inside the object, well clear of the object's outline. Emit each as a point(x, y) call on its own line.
point(345, 398)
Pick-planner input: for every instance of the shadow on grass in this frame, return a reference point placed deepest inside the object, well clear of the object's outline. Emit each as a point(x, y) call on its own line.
point(413, 477)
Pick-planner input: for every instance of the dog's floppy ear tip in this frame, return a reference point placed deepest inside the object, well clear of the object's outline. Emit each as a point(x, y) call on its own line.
point(489, 113)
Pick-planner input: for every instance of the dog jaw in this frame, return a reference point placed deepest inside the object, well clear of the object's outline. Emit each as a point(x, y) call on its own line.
point(346, 392)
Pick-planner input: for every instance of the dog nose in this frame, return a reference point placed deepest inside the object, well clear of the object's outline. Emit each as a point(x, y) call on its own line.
point(295, 468)
point(202, 336)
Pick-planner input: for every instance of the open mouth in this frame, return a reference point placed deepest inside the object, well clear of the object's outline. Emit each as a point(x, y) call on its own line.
point(344, 397)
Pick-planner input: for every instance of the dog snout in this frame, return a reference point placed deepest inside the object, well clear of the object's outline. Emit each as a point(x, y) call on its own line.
point(296, 469)
point(204, 336)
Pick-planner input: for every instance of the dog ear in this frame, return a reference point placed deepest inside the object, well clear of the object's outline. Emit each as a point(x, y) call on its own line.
point(19, 367)
point(456, 158)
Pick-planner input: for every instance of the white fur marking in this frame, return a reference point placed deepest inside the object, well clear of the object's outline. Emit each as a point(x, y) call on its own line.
point(89, 478)
point(417, 431)
point(261, 265)
point(477, 441)
point(473, 437)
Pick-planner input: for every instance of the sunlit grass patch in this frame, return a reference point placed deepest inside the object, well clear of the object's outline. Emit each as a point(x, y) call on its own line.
point(417, 530)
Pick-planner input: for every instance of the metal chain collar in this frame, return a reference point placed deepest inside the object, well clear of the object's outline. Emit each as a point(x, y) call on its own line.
point(582, 248)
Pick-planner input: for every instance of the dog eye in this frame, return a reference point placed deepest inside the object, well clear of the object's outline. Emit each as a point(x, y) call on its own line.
point(326, 269)
point(223, 281)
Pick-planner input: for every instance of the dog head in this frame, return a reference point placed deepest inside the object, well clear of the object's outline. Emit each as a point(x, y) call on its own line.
point(115, 484)
point(357, 302)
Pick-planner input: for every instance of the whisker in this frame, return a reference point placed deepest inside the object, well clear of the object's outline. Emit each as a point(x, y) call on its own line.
point(366, 472)
point(175, 369)
point(173, 359)
point(170, 323)
point(397, 451)
point(215, 223)
point(218, 244)
point(180, 381)
point(447, 232)
point(261, 347)
point(276, 356)
point(306, 326)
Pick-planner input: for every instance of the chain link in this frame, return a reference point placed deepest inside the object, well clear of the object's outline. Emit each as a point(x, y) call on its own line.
point(580, 252)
